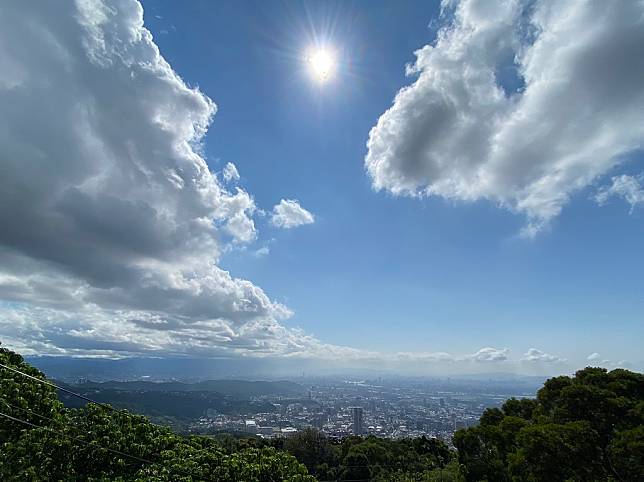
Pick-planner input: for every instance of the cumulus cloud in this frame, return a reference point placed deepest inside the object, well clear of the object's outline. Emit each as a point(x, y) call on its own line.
point(593, 356)
point(626, 187)
point(489, 354)
point(289, 214)
point(230, 173)
point(112, 223)
point(537, 356)
point(519, 103)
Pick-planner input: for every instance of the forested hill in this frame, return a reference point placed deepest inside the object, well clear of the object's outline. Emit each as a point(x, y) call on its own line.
point(239, 389)
point(178, 403)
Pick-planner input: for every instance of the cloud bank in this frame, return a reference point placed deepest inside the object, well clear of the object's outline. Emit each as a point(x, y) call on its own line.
point(519, 103)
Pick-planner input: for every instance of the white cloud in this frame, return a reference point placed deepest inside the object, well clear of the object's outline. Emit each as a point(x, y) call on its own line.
point(263, 251)
point(463, 131)
point(238, 209)
point(489, 354)
point(289, 214)
point(627, 187)
point(597, 360)
point(230, 173)
point(537, 356)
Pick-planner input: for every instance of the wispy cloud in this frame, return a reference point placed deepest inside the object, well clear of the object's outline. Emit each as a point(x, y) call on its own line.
point(629, 188)
point(230, 173)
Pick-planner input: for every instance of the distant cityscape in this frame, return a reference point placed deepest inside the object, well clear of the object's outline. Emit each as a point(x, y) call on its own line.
point(382, 409)
point(386, 406)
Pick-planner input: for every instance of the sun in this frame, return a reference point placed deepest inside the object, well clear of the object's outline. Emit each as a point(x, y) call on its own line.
point(321, 63)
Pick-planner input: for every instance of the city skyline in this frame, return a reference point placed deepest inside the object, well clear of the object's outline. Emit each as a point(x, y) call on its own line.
point(421, 188)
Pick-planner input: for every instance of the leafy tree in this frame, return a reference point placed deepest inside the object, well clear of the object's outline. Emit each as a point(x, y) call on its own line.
point(356, 467)
point(376, 459)
point(557, 452)
point(479, 451)
point(523, 408)
point(626, 454)
point(582, 428)
point(98, 444)
point(31, 401)
point(312, 448)
point(491, 417)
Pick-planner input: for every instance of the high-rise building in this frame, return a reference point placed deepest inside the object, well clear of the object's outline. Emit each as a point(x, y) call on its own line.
point(357, 420)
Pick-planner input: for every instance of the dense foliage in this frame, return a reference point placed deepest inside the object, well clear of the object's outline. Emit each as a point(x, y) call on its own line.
point(589, 427)
point(95, 443)
point(364, 458)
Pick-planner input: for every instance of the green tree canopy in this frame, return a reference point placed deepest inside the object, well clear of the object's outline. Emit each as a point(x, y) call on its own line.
point(41, 440)
point(583, 428)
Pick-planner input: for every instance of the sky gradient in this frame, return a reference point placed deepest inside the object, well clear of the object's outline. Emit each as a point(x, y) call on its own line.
point(211, 199)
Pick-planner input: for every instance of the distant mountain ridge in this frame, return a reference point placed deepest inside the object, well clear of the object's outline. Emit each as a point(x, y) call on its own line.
point(241, 389)
point(182, 400)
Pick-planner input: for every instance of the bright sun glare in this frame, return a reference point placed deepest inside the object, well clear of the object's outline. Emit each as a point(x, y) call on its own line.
point(322, 64)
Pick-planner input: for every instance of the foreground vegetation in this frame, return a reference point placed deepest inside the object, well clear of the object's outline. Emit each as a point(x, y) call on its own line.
point(94, 443)
point(589, 427)
point(363, 458)
point(584, 428)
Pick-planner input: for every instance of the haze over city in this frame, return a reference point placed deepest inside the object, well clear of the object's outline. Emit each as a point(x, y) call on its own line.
point(271, 188)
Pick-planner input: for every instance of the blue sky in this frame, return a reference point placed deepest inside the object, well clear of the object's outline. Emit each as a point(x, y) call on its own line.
point(469, 183)
point(375, 271)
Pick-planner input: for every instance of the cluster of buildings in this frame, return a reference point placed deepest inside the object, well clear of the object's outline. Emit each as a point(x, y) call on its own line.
point(343, 408)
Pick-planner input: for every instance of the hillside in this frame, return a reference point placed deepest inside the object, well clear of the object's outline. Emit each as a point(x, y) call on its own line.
point(239, 389)
point(177, 403)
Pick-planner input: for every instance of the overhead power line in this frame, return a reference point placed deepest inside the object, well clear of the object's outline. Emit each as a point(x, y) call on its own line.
point(75, 439)
point(62, 389)
point(28, 410)
point(95, 445)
